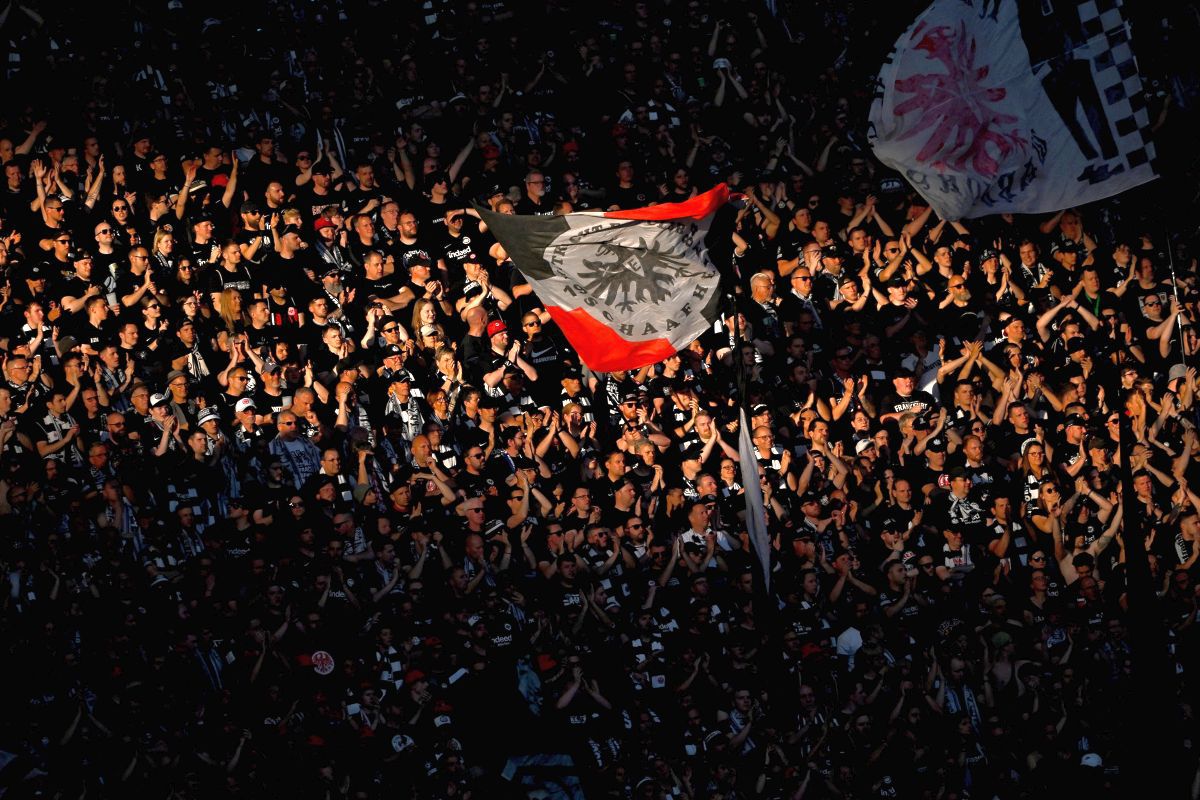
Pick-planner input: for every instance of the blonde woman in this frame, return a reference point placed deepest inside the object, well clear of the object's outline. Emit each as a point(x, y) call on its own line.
point(162, 253)
point(229, 308)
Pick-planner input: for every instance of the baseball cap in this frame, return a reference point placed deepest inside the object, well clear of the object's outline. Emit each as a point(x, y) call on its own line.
point(898, 280)
point(570, 147)
point(289, 229)
point(958, 472)
point(250, 207)
point(692, 452)
point(245, 404)
point(496, 326)
point(1091, 760)
point(760, 408)
point(1076, 419)
point(936, 444)
point(322, 167)
point(491, 151)
point(158, 400)
point(323, 222)
point(206, 415)
point(393, 350)
point(864, 445)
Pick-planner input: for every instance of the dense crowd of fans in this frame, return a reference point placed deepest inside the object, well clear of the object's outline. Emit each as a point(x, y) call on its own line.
point(303, 493)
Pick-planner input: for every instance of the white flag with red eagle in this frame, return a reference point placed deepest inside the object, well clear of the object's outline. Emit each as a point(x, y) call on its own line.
point(627, 288)
point(990, 106)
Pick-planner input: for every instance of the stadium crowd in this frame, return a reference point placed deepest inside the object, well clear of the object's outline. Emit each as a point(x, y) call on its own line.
point(303, 493)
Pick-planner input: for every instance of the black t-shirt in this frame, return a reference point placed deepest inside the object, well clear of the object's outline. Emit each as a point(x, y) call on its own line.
point(267, 246)
point(405, 252)
point(917, 402)
point(635, 196)
point(311, 204)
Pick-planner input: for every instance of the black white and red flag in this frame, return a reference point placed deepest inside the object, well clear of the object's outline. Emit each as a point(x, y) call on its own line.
point(627, 288)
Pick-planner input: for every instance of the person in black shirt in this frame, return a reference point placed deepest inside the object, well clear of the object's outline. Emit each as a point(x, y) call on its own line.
point(535, 199)
point(319, 193)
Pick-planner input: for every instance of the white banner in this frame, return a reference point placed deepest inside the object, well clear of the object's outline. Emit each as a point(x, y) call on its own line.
point(990, 106)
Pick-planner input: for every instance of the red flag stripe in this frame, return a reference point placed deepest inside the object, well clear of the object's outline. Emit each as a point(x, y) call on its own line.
point(602, 348)
point(698, 207)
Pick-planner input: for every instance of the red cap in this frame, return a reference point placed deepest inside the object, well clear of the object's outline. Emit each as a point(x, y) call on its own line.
point(619, 130)
point(220, 180)
point(571, 147)
point(323, 222)
point(413, 675)
point(496, 326)
point(491, 151)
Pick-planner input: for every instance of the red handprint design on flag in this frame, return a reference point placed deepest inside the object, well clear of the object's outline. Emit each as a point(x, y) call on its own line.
point(957, 105)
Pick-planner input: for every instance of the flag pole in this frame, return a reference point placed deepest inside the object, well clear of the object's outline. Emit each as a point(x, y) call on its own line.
point(1175, 292)
point(758, 540)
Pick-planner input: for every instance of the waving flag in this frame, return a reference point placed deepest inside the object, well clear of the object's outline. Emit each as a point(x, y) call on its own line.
point(990, 106)
point(756, 518)
point(627, 288)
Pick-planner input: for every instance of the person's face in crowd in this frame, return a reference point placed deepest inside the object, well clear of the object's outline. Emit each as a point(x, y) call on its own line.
point(287, 425)
point(802, 281)
point(943, 257)
point(973, 449)
point(198, 442)
point(904, 385)
point(57, 404)
point(365, 176)
point(408, 226)
point(964, 394)
point(364, 227)
point(17, 369)
point(296, 506)
point(535, 186)
point(1151, 306)
point(91, 402)
point(859, 241)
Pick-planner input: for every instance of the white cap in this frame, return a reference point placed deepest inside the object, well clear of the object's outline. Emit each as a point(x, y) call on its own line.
point(243, 405)
point(1091, 760)
point(158, 399)
point(863, 444)
point(206, 415)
